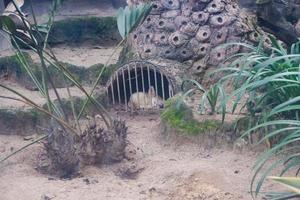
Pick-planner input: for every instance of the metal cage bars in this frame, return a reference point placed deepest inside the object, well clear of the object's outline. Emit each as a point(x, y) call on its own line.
point(130, 82)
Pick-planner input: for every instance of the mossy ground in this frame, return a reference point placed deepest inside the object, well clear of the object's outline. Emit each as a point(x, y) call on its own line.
point(19, 121)
point(180, 117)
point(100, 30)
point(11, 67)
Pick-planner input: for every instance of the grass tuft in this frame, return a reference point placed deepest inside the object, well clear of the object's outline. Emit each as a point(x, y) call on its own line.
point(180, 117)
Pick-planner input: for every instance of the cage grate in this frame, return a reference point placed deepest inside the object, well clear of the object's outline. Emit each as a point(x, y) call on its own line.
point(133, 82)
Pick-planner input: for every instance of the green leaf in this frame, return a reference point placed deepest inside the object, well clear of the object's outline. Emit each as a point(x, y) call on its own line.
point(292, 183)
point(262, 1)
point(7, 24)
point(129, 17)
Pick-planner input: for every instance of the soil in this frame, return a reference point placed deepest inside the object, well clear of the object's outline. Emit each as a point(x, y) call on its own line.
point(34, 95)
point(84, 55)
point(156, 168)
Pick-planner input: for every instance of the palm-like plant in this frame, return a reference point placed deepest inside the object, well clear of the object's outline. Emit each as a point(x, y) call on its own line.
point(268, 84)
point(62, 132)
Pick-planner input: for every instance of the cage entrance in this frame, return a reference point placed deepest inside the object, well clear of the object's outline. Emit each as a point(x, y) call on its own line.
point(136, 78)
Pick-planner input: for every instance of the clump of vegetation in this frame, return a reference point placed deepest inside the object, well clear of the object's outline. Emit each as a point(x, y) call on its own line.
point(268, 85)
point(11, 64)
point(96, 29)
point(94, 70)
point(213, 100)
point(11, 67)
point(64, 149)
point(180, 117)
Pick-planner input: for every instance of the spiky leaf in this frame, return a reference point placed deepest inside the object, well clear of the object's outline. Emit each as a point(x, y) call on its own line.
point(129, 17)
point(7, 24)
point(292, 183)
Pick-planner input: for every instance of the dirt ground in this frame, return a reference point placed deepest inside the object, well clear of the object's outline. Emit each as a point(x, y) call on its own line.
point(162, 170)
point(34, 95)
point(83, 55)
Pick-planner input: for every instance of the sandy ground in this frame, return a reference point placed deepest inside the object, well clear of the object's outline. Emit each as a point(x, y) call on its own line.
point(168, 171)
point(83, 55)
point(33, 95)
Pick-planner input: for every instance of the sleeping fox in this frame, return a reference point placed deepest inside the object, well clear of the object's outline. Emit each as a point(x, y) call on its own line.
point(141, 100)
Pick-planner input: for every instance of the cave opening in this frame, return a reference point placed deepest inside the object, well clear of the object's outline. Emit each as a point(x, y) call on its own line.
point(137, 77)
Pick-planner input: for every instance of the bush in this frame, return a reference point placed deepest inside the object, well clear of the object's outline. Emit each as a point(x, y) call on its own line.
point(100, 30)
point(268, 85)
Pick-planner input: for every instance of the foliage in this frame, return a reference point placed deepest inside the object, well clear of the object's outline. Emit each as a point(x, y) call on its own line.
point(94, 70)
point(129, 17)
point(180, 116)
point(291, 183)
point(37, 41)
point(210, 97)
point(83, 29)
point(11, 67)
point(123, 24)
point(268, 85)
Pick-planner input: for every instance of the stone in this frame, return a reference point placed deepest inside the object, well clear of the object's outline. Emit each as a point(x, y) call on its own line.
point(48, 196)
point(192, 31)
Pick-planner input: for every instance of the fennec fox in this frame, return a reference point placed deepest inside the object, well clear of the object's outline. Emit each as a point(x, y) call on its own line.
point(141, 100)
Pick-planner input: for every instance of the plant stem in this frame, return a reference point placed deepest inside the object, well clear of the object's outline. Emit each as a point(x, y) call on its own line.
point(24, 147)
point(99, 76)
point(34, 105)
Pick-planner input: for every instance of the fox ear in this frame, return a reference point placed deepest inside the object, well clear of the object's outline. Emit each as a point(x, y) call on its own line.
point(151, 91)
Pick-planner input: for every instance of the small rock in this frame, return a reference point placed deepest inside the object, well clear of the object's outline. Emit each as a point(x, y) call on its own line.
point(143, 192)
point(236, 171)
point(98, 47)
point(207, 156)
point(129, 171)
point(86, 180)
point(89, 181)
point(26, 138)
point(47, 196)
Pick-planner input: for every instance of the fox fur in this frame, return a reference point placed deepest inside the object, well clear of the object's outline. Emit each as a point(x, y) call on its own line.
point(141, 100)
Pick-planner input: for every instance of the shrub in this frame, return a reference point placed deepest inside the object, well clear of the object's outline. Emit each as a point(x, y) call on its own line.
point(268, 85)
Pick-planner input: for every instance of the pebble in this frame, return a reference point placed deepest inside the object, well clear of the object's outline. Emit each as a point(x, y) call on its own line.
point(26, 138)
point(47, 196)
point(90, 181)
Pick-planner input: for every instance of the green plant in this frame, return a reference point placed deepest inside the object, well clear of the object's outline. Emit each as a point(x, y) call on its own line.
point(211, 98)
point(180, 117)
point(128, 18)
point(290, 183)
point(268, 85)
point(61, 140)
